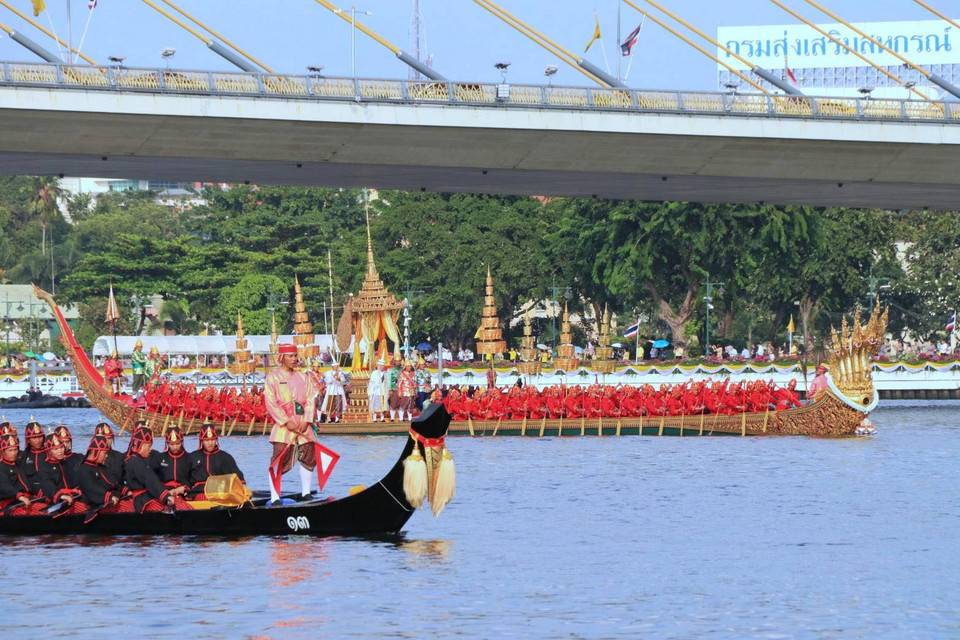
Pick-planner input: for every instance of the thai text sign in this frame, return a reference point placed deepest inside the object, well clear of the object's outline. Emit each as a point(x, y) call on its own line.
point(922, 42)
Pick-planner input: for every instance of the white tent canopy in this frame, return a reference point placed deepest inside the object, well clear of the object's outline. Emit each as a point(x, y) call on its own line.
point(198, 345)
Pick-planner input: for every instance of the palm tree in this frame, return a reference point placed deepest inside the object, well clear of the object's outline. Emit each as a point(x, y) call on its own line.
point(45, 192)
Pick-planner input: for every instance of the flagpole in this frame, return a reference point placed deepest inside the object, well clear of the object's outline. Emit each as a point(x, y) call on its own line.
point(603, 47)
point(69, 35)
point(619, 36)
point(85, 28)
point(636, 359)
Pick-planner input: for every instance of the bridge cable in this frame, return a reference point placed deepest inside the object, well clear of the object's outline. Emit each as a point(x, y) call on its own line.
point(693, 44)
point(932, 77)
point(760, 71)
point(581, 65)
point(32, 46)
point(533, 35)
point(850, 49)
point(47, 33)
point(404, 57)
point(217, 35)
point(213, 45)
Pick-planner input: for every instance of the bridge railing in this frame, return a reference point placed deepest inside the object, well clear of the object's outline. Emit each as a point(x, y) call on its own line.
point(469, 93)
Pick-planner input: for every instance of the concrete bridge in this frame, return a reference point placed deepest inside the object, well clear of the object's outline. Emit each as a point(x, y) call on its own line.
point(458, 137)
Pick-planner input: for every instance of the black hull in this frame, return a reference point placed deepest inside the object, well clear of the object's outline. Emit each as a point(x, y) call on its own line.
point(377, 510)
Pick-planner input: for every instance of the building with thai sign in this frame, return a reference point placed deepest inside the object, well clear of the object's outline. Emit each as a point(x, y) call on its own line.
point(820, 66)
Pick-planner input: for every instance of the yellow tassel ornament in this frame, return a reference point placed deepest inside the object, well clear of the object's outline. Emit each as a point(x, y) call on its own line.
point(415, 477)
point(446, 483)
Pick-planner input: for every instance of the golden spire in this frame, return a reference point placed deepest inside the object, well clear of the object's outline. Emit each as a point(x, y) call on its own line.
point(373, 295)
point(302, 329)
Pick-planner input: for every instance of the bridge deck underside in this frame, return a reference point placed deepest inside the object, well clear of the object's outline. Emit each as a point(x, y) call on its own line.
point(645, 165)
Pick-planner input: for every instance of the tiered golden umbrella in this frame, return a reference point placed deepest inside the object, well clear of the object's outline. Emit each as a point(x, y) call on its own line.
point(566, 359)
point(529, 354)
point(604, 362)
point(490, 336)
point(302, 329)
point(242, 363)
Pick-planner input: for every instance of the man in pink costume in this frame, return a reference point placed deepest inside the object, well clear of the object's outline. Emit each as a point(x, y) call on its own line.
point(291, 399)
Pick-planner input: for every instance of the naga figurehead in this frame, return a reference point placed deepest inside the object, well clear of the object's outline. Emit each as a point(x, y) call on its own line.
point(850, 352)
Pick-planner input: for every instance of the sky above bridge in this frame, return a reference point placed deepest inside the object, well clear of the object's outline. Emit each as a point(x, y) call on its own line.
point(463, 38)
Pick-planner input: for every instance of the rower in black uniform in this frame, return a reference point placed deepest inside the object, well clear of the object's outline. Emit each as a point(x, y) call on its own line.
point(210, 460)
point(32, 454)
point(96, 488)
point(148, 492)
point(174, 462)
point(113, 465)
point(58, 477)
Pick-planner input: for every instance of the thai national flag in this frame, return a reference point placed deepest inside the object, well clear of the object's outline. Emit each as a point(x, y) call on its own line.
point(632, 330)
point(93, 4)
point(951, 325)
point(630, 41)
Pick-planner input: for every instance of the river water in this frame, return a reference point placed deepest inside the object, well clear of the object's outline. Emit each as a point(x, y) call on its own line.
point(574, 537)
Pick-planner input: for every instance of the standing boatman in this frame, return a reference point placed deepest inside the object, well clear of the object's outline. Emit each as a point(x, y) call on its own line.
point(138, 361)
point(291, 399)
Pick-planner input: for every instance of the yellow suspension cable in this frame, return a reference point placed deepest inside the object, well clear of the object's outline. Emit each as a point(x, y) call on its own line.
point(850, 49)
point(879, 44)
point(199, 35)
point(698, 47)
point(217, 36)
point(701, 33)
point(50, 35)
point(6, 28)
point(937, 13)
point(543, 41)
point(346, 16)
point(523, 29)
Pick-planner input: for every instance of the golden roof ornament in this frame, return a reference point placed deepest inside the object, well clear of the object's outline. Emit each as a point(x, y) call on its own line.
point(373, 296)
point(566, 359)
point(529, 354)
point(490, 335)
point(603, 355)
point(302, 329)
point(242, 363)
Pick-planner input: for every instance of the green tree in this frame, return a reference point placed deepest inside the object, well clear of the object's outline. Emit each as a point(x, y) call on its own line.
point(250, 296)
point(443, 244)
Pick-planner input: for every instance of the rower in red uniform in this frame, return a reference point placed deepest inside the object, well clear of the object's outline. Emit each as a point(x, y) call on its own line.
point(96, 487)
point(148, 492)
point(13, 486)
point(174, 468)
point(210, 460)
point(32, 454)
point(58, 479)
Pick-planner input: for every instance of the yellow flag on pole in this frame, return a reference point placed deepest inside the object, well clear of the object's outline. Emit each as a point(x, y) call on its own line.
point(39, 6)
point(790, 326)
point(596, 34)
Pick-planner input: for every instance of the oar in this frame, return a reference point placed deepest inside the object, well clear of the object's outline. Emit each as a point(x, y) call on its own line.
point(9, 508)
point(91, 515)
point(56, 507)
point(127, 421)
